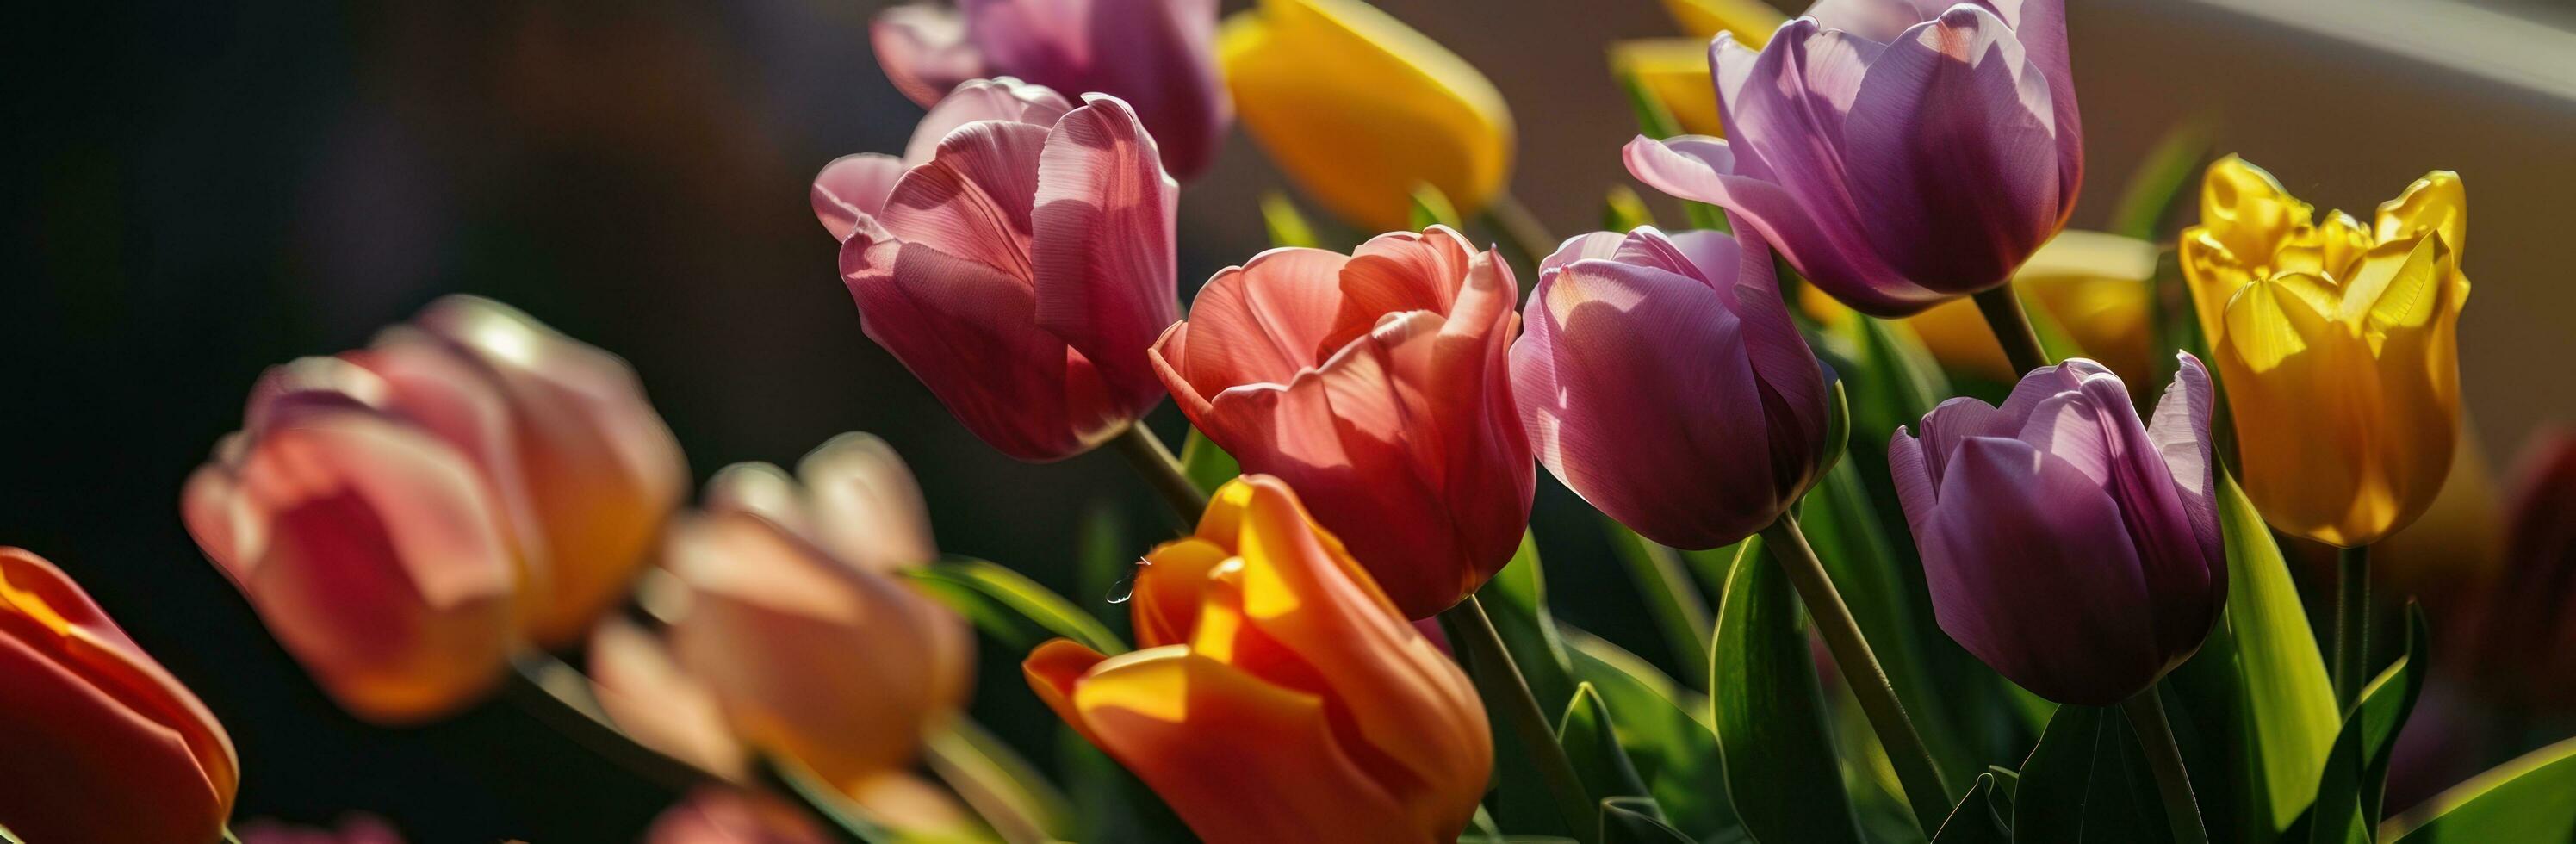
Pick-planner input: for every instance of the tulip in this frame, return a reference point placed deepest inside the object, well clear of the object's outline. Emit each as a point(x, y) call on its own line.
point(2069, 544)
point(373, 548)
point(1704, 19)
point(102, 745)
point(726, 816)
point(1379, 384)
point(1662, 380)
point(2531, 610)
point(2338, 347)
point(1020, 268)
point(811, 650)
point(1278, 695)
point(1156, 55)
point(1898, 154)
point(1359, 109)
point(1675, 71)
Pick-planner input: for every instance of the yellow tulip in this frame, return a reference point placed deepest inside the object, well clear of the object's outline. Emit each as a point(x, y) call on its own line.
point(1358, 108)
point(2337, 343)
point(2095, 285)
point(1751, 20)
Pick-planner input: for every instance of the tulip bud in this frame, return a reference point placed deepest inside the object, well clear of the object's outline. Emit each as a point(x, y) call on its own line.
point(2067, 543)
point(1360, 109)
point(1278, 695)
point(372, 548)
point(1379, 383)
point(812, 650)
point(1831, 129)
point(101, 744)
point(2338, 346)
point(1156, 55)
point(1661, 379)
point(1021, 269)
point(600, 468)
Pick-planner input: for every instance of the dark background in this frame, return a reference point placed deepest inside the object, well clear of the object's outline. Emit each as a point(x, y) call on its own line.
point(199, 190)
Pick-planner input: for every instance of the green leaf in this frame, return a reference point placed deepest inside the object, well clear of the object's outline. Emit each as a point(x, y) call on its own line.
point(2522, 800)
point(1430, 206)
point(2161, 180)
point(2288, 705)
point(1207, 466)
point(1666, 731)
point(1632, 820)
point(2087, 782)
point(1770, 713)
point(1670, 598)
point(1593, 746)
point(1001, 787)
point(1654, 120)
point(1977, 819)
point(1010, 607)
point(1516, 600)
point(2385, 712)
point(1287, 226)
point(2349, 792)
point(1624, 210)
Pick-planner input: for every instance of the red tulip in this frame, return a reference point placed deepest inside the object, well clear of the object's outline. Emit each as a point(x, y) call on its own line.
point(98, 743)
point(1379, 386)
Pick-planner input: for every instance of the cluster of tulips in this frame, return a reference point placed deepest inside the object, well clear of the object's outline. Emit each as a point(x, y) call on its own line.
point(2055, 617)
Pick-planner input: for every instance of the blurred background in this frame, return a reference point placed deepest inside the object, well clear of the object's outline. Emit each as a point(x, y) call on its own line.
point(199, 190)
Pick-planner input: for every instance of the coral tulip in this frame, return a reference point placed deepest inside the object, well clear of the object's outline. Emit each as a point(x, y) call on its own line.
point(1156, 55)
point(1900, 154)
point(1703, 434)
point(1278, 696)
point(2069, 544)
point(2338, 346)
point(102, 745)
point(811, 650)
point(1379, 384)
point(1360, 109)
point(374, 549)
point(1019, 268)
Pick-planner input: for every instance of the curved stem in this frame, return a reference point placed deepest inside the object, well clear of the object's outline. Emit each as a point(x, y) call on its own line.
point(1925, 792)
point(2012, 329)
point(2352, 625)
point(2146, 712)
point(1507, 695)
point(1155, 463)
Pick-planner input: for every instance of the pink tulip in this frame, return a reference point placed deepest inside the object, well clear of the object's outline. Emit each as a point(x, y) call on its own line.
point(1019, 268)
point(1158, 55)
point(1900, 153)
point(1378, 385)
point(1662, 380)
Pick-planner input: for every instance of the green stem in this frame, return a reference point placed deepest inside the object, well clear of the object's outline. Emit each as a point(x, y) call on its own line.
point(2352, 624)
point(1508, 696)
point(2146, 712)
point(1925, 792)
point(2012, 329)
point(1155, 463)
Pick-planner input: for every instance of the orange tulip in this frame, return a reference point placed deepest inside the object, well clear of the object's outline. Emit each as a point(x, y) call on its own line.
point(1278, 696)
point(98, 743)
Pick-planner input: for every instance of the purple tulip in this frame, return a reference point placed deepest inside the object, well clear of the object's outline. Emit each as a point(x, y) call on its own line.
point(1157, 55)
point(1660, 378)
point(1900, 154)
point(2071, 546)
point(1018, 259)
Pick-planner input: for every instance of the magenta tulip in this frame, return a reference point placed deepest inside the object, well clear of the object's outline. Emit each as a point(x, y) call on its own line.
point(1020, 265)
point(2069, 544)
point(1901, 154)
point(1157, 55)
point(1660, 378)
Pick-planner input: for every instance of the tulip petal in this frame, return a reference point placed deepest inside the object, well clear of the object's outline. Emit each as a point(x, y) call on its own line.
point(850, 192)
point(973, 199)
point(2040, 27)
point(923, 49)
point(2180, 432)
point(1263, 322)
point(1103, 244)
point(648, 696)
point(868, 510)
point(1005, 99)
point(1703, 169)
point(1398, 272)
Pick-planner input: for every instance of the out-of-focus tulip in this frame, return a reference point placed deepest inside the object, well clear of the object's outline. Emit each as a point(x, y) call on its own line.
point(1157, 55)
point(2095, 285)
point(645, 692)
point(354, 829)
point(2067, 543)
point(1661, 379)
point(810, 650)
point(600, 468)
point(1359, 109)
point(1900, 153)
point(2530, 612)
point(2338, 345)
point(1020, 267)
point(1278, 695)
point(373, 549)
point(101, 744)
point(718, 815)
point(1751, 20)
point(1380, 384)
point(1675, 71)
